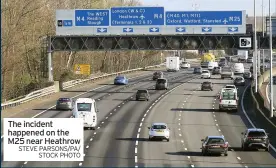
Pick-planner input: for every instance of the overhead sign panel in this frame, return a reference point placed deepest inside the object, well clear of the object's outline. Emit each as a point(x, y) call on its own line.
point(92, 17)
point(148, 21)
point(137, 16)
point(204, 18)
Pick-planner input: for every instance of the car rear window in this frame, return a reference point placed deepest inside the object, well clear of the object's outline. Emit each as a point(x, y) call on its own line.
point(239, 79)
point(64, 99)
point(159, 127)
point(84, 106)
point(215, 141)
point(206, 83)
point(256, 133)
point(228, 96)
point(141, 91)
point(161, 81)
point(230, 87)
point(204, 71)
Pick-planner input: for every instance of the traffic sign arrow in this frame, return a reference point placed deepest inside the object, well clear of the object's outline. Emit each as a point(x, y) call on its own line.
point(233, 29)
point(154, 29)
point(206, 29)
point(101, 30)
point(128, 29)
point(180, 29)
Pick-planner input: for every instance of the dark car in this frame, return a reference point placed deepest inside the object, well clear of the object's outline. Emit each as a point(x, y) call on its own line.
point(255, 138)
point(157, 75)
point(214, 145)
point(198, 70)
point(207, 86)
point(64, 104)
point(239, 81)
point(216, 70)
point(142, 95)
point(274, 80)
point(251, 69)
point(161, 84)
point(267, 60)
point(247, 75)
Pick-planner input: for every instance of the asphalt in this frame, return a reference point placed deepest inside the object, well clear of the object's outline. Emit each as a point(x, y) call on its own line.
point(193, 115)
point(190, 113)
point(109, 99)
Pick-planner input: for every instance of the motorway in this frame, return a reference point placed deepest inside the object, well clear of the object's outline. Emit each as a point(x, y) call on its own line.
point(120, 139)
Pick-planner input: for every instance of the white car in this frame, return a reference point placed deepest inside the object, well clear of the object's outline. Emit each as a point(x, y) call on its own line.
point(227, 87)
point(228, 100)
point(159, 131)
point(185, 65)
point(205, 74)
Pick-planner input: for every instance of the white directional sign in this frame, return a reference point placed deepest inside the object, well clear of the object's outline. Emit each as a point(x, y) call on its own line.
point(148, 20)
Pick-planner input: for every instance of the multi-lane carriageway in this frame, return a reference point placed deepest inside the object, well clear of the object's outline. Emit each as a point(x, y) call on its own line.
point(120, 139)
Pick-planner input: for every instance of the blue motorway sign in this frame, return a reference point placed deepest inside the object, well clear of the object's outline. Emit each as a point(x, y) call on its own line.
point(97, 17)
point(137, 16)
point(204, 18)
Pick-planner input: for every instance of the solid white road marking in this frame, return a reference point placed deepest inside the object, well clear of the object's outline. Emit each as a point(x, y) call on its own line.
point(243, 110)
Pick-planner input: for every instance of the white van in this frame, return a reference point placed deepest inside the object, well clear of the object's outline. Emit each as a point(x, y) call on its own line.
point(212, 65)
point(86, 108)
point(238, 68)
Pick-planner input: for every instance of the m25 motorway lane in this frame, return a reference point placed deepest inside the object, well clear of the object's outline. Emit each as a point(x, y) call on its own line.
point(110, 107)
point(192, 115)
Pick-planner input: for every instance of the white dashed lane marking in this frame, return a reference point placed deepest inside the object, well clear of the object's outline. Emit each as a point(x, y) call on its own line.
point(80, 164)
point(238, 158)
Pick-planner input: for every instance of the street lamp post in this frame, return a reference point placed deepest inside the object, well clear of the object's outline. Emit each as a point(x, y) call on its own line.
point(255, 51)
point(271, 59)
point(263, 33)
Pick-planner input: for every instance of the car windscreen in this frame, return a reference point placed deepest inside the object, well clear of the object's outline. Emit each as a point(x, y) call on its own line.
point(215, 141)
point(256, 134)
point(84, 107)
point(239, 79)
point(206, 83)
point(120, 77)
point(230, 87)
point(159, 127)
point(228, 96)
point(161, 81)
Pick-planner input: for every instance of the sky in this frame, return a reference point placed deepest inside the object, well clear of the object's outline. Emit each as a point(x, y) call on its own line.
point(188, 5)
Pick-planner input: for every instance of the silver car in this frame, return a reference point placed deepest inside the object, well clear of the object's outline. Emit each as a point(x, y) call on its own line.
point(64, 104)
point(159, 131)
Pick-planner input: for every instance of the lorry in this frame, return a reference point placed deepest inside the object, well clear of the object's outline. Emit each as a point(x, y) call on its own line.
point(206, 58)
point(172, 64)
point(242, 55)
